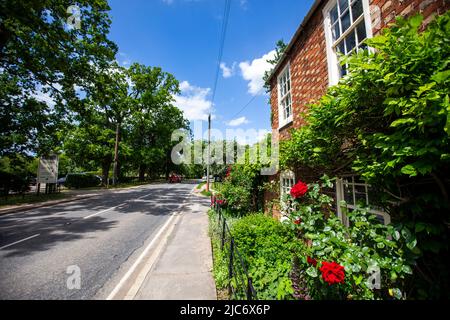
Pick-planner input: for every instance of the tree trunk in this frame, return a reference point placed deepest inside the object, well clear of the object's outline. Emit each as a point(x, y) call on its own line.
point(142, 170)
point(116, 169)
point(105, 171)
point(167, 167)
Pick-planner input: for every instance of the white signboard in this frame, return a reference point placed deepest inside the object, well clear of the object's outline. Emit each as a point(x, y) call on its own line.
point(48, 170)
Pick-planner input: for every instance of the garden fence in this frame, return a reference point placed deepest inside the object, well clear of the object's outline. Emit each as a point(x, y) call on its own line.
point(240, 285)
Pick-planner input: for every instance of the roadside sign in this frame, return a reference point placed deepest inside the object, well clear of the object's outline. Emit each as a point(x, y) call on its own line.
point(48, 170)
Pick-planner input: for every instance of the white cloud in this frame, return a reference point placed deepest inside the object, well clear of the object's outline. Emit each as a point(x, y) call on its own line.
point(44, 97)
point(237, 122)
point(123, 59)
point(249, 136)
point(227, 72)
point(254, 72)
point(193, 101)
point(167, 1)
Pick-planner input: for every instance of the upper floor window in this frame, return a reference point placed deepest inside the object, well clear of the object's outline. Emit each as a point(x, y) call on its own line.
point(284, 97)
point(347, 25)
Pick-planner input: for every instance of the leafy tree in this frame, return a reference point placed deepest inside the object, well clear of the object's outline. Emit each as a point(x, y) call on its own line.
point(40, 54)
point(91, 145)
point(279, 51)
point(153, 119)
point(134, 106)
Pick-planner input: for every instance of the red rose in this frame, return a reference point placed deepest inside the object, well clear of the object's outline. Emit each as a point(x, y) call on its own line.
point(312, 261)
point(299, 190)
point(332, 273)
point(297, 221)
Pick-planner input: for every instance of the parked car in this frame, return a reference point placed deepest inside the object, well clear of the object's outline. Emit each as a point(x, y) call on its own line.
point(62, 181)
point(175, 178)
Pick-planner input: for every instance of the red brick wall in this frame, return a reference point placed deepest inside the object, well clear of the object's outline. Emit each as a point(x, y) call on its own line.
point(308, 57)
point(309, 73)
point(389, 9)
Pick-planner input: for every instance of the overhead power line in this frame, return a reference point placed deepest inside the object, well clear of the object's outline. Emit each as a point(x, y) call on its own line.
point(245, 106)
point(223, 33)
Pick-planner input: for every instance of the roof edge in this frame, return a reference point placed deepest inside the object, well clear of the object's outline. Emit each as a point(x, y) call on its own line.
point(294, 38)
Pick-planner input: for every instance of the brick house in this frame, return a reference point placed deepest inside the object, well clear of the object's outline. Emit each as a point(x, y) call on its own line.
point(309, 66)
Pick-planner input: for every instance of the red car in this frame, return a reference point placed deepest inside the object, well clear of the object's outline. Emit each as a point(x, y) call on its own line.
point(174, 178)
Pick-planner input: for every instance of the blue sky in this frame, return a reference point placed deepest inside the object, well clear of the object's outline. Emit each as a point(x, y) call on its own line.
point(182, 37)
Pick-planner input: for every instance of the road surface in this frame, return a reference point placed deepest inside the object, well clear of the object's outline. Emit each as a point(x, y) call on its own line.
point(101, 236)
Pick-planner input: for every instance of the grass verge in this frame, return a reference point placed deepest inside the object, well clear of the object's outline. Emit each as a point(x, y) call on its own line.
point(30, 199)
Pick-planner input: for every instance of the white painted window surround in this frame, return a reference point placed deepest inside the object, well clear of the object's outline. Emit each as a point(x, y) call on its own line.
point(287, 181)
point(356, 193)
point(284, 97)
point(347, 23)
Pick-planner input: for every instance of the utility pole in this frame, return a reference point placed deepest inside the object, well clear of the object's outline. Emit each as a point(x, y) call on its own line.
point(209, 153)
point(116, 155)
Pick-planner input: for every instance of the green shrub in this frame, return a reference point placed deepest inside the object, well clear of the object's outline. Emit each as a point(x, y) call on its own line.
point(241, 189)
point(220, 261)
point(268, 248)
point(365, 246)
point(81, 180)
point(13, 182)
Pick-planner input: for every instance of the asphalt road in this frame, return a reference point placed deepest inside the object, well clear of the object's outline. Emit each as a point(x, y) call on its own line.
point(99, 235)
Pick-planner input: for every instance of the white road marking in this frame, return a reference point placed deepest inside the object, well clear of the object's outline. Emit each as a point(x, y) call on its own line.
point(100, 212)
point(145, 196)
point(112, 208)
point(11, 244)
point(139, 259)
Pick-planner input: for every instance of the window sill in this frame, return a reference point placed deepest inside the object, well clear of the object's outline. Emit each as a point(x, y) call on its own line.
point(285, 125)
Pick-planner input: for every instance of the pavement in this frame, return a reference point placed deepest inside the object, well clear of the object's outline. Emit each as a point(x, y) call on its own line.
point(115, 244)
point(185, 264)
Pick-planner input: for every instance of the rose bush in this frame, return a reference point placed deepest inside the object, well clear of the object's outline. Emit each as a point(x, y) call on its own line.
point(344, 256)
point(332, 273)
point(299, 190)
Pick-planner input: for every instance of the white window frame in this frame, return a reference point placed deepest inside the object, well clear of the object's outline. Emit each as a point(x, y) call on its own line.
point(290, 176)
point(333, 62)
point(282, 121)
point(286, 175)
point(340, 195)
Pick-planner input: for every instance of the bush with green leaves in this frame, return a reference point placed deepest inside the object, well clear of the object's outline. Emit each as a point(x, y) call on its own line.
point(220, 261)
point(81, 180)
point(388, 121)
point(268, 248)
point(364, 246)
point(241, 189)
point(13, 182)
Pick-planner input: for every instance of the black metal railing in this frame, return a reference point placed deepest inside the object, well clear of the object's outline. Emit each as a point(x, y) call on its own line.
point(240, 285)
